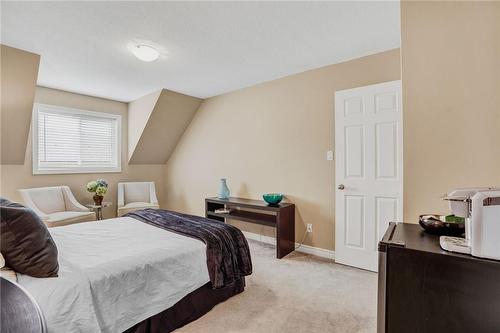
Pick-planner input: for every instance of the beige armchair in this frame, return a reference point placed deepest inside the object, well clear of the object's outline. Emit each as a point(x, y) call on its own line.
point(136, 195)
point(56, 205)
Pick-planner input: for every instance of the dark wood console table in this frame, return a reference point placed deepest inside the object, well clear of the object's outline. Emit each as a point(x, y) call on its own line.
point(281, 217)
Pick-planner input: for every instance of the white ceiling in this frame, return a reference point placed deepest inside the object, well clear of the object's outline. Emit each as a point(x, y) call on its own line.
point(208, 48)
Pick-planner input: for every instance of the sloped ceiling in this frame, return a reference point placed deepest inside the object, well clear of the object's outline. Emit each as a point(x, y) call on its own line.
point(156, 123)
point(84, 44)
point(19, 71)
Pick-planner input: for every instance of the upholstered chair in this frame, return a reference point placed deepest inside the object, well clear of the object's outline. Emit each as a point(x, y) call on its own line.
point(134, 196)
point(56, 205)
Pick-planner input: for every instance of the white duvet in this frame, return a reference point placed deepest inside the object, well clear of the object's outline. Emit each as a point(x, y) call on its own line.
point(115, 273)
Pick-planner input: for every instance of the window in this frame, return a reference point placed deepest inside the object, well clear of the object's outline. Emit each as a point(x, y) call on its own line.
point(75, 141)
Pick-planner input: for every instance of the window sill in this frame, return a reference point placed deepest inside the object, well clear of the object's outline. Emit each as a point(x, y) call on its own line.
point(75, 171)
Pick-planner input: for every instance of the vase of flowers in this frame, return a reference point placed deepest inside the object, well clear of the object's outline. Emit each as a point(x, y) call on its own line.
point(99, 188)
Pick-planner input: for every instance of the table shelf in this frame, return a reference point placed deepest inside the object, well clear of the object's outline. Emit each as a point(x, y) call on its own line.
point(243, 215)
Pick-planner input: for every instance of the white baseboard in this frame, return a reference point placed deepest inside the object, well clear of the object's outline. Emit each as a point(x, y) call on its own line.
point(315, 251)
point(259, 238)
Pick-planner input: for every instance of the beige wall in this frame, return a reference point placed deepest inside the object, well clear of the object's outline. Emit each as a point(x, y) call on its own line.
point(451, 100)
point(14, 177)
point(272, 137)
point(18, 72)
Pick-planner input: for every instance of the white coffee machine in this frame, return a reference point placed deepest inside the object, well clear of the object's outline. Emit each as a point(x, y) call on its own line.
point(481, 209)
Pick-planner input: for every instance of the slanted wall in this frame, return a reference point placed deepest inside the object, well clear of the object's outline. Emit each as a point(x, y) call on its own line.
point(139, 112)
point(19, 72)
point(158, 134)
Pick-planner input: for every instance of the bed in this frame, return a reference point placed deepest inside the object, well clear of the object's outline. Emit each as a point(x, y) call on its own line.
point(125, 275)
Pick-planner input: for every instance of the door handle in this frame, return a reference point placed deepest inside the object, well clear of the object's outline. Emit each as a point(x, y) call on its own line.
point(341, 187)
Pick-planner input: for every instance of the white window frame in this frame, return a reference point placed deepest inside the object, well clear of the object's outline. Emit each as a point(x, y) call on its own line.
point(65, 170)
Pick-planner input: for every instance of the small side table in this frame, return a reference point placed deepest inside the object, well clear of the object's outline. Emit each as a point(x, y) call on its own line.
point(98, 209)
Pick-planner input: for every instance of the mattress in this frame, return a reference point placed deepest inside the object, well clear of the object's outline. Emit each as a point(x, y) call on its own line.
point(115, 273)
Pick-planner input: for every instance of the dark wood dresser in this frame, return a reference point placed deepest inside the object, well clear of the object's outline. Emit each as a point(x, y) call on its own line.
point(424, 289)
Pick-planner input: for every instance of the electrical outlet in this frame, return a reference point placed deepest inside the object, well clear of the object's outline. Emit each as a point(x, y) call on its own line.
point(329, 155)
point(309, 227)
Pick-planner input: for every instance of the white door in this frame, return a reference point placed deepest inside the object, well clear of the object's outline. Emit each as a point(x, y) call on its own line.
point(368, 170)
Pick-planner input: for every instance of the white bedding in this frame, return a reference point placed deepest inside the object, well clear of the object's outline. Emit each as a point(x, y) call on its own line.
point(115, 273)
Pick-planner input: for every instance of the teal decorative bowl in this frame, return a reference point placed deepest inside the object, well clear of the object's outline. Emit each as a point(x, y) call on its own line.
point(272, 198)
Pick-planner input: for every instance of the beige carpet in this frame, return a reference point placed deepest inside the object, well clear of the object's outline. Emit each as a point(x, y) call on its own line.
point(300, 293)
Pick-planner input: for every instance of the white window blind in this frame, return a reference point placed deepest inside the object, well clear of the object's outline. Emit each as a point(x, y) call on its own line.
point(75, 141)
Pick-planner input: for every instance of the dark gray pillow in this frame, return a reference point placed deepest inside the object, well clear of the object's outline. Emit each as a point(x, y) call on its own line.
point(25, 242)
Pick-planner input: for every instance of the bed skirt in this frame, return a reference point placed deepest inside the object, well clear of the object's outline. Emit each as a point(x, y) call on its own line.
point(188, 309)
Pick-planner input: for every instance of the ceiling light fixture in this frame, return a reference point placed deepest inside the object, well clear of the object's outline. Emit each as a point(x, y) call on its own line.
point(145, 52)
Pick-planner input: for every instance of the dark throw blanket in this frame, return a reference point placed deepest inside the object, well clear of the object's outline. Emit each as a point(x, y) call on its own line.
point(228, 255)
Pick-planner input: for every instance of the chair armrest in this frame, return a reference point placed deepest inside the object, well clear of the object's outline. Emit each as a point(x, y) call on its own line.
point(44, 217)
point(152, 194)
point(121, 195)
point(71, 203)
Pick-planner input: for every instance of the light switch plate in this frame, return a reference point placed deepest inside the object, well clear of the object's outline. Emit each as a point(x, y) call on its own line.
point(329, 155)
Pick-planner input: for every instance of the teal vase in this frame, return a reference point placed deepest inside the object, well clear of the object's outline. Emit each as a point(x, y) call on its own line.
point(223, 189)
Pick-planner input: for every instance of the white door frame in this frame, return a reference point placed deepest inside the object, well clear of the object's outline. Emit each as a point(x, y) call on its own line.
point(370, 113)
